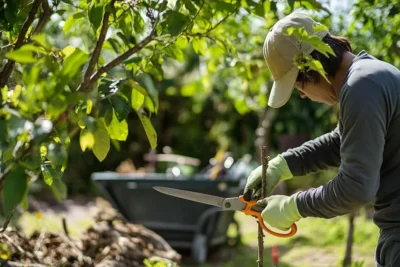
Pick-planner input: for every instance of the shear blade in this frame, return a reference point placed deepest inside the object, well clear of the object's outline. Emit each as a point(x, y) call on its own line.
point(193, 196)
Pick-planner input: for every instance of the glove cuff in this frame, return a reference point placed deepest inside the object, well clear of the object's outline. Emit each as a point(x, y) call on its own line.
point(293, 211)
point(280, 163)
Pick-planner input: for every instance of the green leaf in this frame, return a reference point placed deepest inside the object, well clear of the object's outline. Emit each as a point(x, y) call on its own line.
point(106, 111)
point(124, 39)
point(241, 106)
point(7, 155)
point(221, 5)
point(175, 52)
point(200, 46)
point(116, 144)
point(14, 189)
point(40, 39)
point(22, 56)
point(320, 46)
point(291, 4)
point(191, 88)
point(149, 129)
point(174, 22)
point(32, 160)
point(89, 106)
point(138, 87)
point(124, 22)
point(24, 201)
point(96, 16)
point(190, 6)
point(146, 81)
point(154, 67)
point(57, 154)
point(3, 130)
point(86, 139)
point(317, 66)
point(181, 42)
point(72, 21)
point(57, 105)
point(88, 122)
point(138, 23)
point(121, 106)
point(257, 8)
point(148, 103)
point(112, 44)
point(118, 130)
point(108, 87)
point(137, 99)
point(319, 28)
point(61, 12)
point(72, 65)
point(102, 141)
point(53, 178)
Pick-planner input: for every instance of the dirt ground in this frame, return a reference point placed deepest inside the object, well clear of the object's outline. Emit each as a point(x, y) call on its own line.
point(79, 214)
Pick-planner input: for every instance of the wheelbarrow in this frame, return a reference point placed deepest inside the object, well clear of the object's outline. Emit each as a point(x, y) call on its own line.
point(183, 224)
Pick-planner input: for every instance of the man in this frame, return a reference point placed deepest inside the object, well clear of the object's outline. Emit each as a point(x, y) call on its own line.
point(365, 145)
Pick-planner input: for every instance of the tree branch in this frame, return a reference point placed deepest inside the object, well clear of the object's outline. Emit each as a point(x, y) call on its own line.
point(96, 53)
point(7, 220)
point(8, 68)
point(264, 162)
point(194, 17)
point(212, 28)
point(122, 57)
point(47, 12)
point(118, 60)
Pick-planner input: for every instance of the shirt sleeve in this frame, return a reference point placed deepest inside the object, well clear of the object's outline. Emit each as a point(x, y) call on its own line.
point(364, 118)
point(315, 155)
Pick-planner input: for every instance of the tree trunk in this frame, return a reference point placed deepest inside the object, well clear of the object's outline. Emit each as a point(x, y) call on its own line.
point(350, 239)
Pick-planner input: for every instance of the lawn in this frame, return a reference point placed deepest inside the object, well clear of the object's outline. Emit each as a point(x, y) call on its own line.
point(318, 242)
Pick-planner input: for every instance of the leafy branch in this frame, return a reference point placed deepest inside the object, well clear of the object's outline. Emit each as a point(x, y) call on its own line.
point(193, 19)
point(9, 66)
point(305, 62)
point(202, 34)
point(47, 12)
point(96, 53)
point(118, 60)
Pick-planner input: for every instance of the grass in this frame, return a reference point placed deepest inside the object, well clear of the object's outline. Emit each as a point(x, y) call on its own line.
point(318, 242)
point(31, 222)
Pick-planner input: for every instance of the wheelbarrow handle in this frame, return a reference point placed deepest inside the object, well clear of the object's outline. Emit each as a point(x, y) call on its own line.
point(249, 211)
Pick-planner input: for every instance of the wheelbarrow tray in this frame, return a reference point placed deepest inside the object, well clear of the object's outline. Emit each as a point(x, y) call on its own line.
point(178, 221)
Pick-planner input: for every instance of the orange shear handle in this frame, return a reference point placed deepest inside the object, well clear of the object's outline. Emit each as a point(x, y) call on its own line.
point(249, 211)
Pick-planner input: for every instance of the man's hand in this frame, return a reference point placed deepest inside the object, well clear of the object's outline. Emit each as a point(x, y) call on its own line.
point(277, 171)
point(280, 211)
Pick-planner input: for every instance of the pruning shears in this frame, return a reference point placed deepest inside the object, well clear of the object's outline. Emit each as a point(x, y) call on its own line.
point(234, 203)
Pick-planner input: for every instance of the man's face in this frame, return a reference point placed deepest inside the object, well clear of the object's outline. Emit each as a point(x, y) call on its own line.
point(321, 92)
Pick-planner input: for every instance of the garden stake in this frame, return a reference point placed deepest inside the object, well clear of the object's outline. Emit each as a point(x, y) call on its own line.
point(264, 162)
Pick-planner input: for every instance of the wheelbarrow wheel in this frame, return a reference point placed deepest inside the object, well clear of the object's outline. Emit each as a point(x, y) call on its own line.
point(199, 249)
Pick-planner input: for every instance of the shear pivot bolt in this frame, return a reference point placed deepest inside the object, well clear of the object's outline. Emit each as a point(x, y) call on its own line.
point(227, 205)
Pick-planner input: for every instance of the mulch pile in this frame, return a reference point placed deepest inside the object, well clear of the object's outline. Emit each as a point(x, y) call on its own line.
point(111, 241)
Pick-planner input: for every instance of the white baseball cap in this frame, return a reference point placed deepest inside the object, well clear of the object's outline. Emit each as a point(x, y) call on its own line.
point(279, 52)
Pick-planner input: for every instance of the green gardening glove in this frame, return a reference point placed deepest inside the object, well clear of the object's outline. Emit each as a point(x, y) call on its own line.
point(277, 171)
point(280, 211)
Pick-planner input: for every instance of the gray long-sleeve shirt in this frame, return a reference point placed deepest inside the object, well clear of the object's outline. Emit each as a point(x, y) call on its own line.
point(365, 146)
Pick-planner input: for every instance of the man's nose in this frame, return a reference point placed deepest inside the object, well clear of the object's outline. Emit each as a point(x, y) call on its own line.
point(302, 95)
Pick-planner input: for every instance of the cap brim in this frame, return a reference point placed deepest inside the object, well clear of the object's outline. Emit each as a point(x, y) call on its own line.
point(282, 89)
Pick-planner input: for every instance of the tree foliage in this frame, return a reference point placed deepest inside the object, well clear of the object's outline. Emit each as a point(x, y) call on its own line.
point(80, 67)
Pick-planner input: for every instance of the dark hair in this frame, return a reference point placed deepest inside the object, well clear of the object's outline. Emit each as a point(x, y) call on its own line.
point(331, 64)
